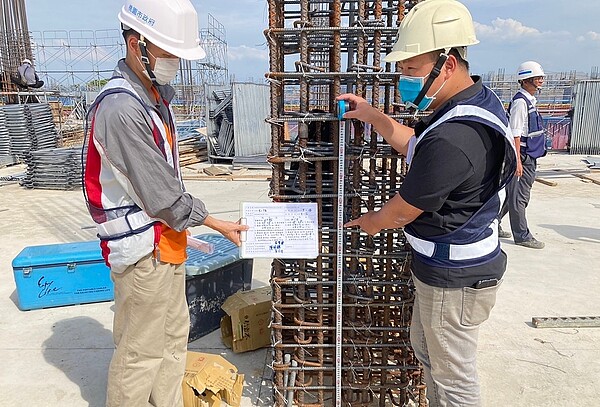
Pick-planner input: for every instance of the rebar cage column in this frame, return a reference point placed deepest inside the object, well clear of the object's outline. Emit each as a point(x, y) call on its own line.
point(319, 49)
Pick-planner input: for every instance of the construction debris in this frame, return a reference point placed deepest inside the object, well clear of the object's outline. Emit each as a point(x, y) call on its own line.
point(217, 173)
point(70, 135)
point(593, 162)
point(221, 139)
point(12, 179)
point(587, 178)
point(213, 170)
point(192, 149)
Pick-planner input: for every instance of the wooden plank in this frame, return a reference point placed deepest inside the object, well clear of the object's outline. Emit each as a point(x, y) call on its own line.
point(585, 177)
point(546, 182)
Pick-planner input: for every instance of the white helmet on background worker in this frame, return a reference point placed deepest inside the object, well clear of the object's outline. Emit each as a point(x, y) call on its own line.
point(432, 25)
point(529, 69)
point(171, 25)
point(27, 61)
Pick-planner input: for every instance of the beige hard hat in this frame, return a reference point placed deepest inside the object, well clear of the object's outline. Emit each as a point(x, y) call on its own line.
point(431, 25)
point(171, 25)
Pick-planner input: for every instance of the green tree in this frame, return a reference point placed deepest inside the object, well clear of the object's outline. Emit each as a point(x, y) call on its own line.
point(96, 84)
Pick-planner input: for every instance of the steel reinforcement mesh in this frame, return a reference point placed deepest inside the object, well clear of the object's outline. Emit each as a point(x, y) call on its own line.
point(318, 50)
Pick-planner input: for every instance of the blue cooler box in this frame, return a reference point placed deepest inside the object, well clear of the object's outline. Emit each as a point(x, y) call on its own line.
point(211, 279)
point(61, 274)
point(75, 273)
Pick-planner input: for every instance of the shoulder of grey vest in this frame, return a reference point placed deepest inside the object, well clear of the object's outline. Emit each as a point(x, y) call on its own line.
point(116, 84)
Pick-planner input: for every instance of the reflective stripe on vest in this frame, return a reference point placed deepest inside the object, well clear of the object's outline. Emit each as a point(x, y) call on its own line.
point(467, 251)
point(485, 247)
point(125, 225)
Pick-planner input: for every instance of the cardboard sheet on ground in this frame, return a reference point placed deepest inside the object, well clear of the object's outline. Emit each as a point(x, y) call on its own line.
point(210, 379)
point(246, 325)
point(282, 230)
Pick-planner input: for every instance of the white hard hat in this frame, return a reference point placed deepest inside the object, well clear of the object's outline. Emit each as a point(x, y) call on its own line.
point(27, 61)
point(431, 25)
point(529, 69)
point(171, 25)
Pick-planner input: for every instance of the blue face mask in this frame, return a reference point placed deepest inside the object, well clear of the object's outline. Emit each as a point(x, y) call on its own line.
point(410, 87)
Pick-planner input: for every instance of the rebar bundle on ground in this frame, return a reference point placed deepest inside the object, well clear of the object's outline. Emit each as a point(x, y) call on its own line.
point(318, 50)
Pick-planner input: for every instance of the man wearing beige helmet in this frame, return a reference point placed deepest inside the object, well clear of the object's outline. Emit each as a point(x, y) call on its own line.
point(461, 158)
point(135, 194)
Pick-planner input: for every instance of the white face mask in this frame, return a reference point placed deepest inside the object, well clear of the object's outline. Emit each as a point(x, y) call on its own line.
point(165, 69)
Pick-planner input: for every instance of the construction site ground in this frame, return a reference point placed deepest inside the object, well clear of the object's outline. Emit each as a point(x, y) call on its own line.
point(60, 356)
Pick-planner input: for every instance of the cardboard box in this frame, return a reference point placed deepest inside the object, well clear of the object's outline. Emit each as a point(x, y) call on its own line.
point(246, 325)
point(210, 379)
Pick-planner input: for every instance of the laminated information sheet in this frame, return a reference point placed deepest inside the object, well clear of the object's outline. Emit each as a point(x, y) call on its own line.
point(283, 230)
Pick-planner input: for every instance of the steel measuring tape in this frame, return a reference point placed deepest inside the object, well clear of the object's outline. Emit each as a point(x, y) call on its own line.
point(343, 106)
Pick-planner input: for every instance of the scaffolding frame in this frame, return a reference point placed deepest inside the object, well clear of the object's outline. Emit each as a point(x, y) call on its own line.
point(75, 64)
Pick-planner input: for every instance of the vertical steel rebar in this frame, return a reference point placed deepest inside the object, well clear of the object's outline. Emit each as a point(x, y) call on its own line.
point(15, 42)
point(336, 46)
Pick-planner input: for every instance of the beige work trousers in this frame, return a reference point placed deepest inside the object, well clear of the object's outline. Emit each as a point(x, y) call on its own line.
point(150, 331)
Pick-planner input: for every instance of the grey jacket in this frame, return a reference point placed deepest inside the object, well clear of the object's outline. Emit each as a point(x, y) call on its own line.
point(27, 74)
point(124, 130)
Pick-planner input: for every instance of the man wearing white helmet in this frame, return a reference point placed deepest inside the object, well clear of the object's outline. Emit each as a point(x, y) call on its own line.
point(26, 76)
point(134, 192)
point(462, 156)
point(530, 141)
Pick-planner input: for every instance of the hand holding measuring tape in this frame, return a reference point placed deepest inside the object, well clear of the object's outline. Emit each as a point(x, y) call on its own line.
point(350, 106)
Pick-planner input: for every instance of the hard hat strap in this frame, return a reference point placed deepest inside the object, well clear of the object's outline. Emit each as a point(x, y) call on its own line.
point(435, 72)
point(145, 60)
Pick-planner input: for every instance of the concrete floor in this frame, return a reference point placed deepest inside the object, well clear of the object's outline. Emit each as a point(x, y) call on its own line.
point(59, 356)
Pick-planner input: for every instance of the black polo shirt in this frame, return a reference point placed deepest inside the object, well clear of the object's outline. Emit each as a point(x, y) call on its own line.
point(454, 171)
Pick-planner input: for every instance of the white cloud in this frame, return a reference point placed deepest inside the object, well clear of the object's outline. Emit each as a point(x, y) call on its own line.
point(244, 52)
point(506, 30)
point(592, 35)
point(589, 36)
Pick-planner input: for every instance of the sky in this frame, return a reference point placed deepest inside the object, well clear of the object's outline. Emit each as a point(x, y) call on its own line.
point(563, 35)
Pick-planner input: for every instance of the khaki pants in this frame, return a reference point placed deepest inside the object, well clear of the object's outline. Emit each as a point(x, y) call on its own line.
point(444, 332)
point(150, 330)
